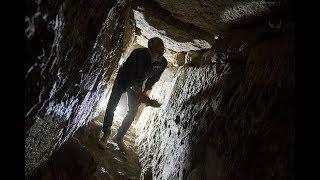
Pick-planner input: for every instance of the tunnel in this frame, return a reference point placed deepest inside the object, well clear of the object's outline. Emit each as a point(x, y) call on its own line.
point(227, 94)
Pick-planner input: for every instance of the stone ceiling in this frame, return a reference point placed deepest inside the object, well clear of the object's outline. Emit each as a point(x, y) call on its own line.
point(215, 16)
point(192, 25)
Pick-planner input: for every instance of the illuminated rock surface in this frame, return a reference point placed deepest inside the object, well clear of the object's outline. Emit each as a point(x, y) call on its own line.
point(227, 95)
point(225, 121)
point(66, 83)
point(215, 16)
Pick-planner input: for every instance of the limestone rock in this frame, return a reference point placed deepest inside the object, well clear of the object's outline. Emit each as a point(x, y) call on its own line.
point(79, 44)
point(152, 21)
point(235, 118)
point(215, 16)
point(227, 94)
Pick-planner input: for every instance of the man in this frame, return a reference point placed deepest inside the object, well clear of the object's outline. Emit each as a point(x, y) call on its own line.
point(144, 65)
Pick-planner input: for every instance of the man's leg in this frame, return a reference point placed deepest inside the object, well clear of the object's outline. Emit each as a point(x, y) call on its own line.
point(115, 96)
point(133, 104)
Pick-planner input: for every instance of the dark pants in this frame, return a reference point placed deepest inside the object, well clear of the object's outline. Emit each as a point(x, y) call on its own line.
point(133, 104)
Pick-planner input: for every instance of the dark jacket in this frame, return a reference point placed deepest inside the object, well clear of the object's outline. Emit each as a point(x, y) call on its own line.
point(139, 67)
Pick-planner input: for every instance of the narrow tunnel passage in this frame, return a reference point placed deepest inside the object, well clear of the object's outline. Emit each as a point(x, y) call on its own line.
point(227, 93)
point(116, 161)
point(81, 158)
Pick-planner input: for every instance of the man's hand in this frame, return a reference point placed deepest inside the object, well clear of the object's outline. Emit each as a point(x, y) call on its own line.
point(152, 103)
point(144, 97)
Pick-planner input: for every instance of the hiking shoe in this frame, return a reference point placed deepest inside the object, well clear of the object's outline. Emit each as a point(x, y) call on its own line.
point(104, 140)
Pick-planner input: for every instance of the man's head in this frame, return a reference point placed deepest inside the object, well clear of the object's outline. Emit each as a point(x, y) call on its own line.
point(156, 47)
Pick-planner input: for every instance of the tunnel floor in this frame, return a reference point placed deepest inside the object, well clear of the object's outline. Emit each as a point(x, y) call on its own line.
point(115, 162)
point(81, 158)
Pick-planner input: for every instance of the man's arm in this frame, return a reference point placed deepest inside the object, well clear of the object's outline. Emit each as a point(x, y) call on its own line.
point(155, 78)
point(144, 97)
point(141, 94)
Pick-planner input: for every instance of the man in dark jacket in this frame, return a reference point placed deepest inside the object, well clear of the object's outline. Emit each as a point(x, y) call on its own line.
point(144, 65)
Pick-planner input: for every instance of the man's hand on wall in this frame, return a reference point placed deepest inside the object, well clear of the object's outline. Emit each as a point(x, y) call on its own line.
point(152, 103)
point(144, 97)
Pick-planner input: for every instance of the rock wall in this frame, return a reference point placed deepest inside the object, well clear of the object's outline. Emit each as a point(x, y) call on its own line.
point(80, 164)
point(216, 16)
point(73, 47)
point(226, 120)
point(152, 20)
point(227, 113)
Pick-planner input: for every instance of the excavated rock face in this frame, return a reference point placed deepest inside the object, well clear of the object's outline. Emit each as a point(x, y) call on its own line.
point(153, 20)
point(79, 164)
point(73, 48)
point(227, 103)
point(214, 16)
point(178, 37)
point(230, 120)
